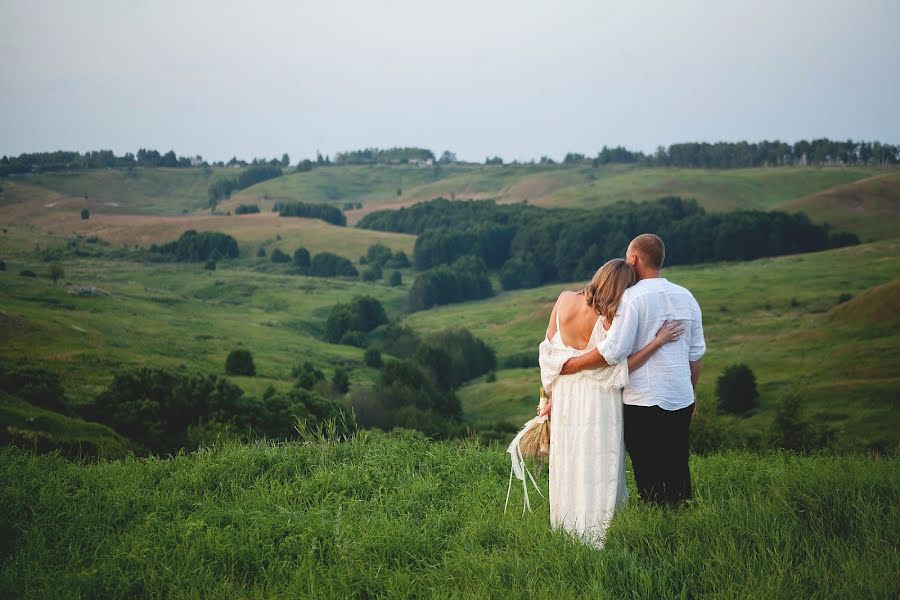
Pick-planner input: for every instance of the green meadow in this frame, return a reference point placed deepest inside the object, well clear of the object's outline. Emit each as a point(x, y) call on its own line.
point(396, 516)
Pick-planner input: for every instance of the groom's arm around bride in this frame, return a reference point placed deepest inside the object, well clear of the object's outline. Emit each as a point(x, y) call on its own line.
point(659, 401)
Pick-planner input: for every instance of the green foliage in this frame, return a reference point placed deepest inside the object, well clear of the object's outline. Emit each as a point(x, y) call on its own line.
point(792, 431)
point(199, 247)
point(373, 273)
point(240, 362)
point(454, 356)
point(326, 264)
point(2, 265)
point(246, 209)
point(326, 212)
point(736, 389)
point(362, 314)
point(413, 400)
point(379, 255)
point(56, 272)
point(395, 279)
point(398, 261)
point(341, 380)
point(372, 358)
point(261, 252)
point(35, 385)
point(301, 260)
point(222, 189)
point(370, 156)
point(210, 265)
point(279, 256)
point(466, 279)
point(27, 273)
point(307, 375)
point(85, 214)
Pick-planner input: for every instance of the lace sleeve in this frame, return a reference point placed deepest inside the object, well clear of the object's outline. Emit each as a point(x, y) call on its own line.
point(552, 358)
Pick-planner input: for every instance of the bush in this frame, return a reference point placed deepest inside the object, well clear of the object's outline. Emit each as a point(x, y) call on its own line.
point(790, 431)
point(85, 214)
point(362, 314)
point(307, 375)
point(372, 358)
point(736, 390)
point(199, 247)
point(325, 212)
point(56, 273)
point(454, 356)
point(466, 279)
point(301, 260)
point(373, 273)
point(33, 384)
point(246, 209)
point(27, 273)
point(520, 360)
point(261, 252)
point(240, 362)
point(279, 256)
point(326, 264)
point(398, 261)
point(395, 279)
point(2, 265)
point(341, 380)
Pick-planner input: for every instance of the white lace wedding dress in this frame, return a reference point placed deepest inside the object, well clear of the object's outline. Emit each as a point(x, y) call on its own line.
point(587, 449)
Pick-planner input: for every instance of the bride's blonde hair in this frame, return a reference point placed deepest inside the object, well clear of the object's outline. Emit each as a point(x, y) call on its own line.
point(605, 290)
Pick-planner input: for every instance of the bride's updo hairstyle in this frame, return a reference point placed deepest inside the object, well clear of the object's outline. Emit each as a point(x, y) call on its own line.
point(605, 290)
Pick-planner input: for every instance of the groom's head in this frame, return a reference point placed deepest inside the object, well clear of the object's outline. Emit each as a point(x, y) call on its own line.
point(646, 254)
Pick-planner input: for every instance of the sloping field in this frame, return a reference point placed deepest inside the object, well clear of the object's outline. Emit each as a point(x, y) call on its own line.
point(120, 191)
point(771, 314)
point(869, 208)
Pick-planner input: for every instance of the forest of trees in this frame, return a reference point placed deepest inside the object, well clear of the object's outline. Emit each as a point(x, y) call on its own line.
point(326, 212)
point(718, 155)
point(372, 156)
point(222, 189)
point(532, 246)
point(198, 247)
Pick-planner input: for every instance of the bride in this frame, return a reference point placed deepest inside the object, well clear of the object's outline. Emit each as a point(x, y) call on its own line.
point(587, 451)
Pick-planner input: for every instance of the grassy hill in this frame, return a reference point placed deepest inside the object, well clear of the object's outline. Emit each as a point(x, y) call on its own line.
point(783, 317)
point(398, 517)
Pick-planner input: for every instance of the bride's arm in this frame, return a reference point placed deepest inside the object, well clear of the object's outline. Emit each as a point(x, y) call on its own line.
point(669, 332)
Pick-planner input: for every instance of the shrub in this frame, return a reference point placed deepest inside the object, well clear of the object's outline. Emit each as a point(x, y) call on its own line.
point(261, 252)
point(325, 212)
point(395, 279)
point(246, 209)
point(33, 384)
point(210, 265)
point(341, 380)
point(378, 254)
point(56, 273)
point(85, 214)
point(301, 260)
point(736, 389)
point(199, 247)
point(455, 356)
point(240, 362)
point(2, 265)
point(520, 360)
point(326, 264)
point(372, 358)
point(845, 297)
point(307, 375)
point(398, 261)
point(27, 273)
point(790, 431)
point(278, 256)
point(373, 273)
point(362, 314)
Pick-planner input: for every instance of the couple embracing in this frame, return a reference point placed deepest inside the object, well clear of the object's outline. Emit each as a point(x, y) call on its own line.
point(621, 361)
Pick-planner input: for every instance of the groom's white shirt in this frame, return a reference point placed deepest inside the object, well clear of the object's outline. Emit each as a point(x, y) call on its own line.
point(665, 379)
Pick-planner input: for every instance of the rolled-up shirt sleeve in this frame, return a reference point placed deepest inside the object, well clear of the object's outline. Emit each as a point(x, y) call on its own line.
point(698, 343)
point(620, 339)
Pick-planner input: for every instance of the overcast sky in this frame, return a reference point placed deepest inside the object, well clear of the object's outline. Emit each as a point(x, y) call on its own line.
point(518, 79)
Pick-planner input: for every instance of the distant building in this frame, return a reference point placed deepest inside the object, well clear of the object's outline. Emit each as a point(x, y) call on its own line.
point(420, 162)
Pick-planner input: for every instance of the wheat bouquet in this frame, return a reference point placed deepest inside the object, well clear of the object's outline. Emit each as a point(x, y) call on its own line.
point(532, 441)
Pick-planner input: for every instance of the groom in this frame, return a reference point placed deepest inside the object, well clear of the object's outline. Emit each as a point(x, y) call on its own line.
point(660, 398)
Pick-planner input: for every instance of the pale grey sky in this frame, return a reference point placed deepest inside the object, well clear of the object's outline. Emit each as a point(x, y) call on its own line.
point(514, 78)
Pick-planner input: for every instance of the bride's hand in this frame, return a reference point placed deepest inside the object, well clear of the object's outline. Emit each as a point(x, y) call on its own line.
point(669, 332)
point(547, 408)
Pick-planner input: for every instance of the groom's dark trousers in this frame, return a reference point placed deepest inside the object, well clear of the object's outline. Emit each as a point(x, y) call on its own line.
point(657, 442)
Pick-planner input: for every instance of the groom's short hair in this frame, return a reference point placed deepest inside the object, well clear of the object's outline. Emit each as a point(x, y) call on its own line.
point(651, 249)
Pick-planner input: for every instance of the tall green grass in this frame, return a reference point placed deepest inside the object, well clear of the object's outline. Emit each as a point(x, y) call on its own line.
point(396, 516)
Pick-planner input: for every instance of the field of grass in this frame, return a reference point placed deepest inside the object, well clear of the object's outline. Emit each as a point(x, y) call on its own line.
point(171, 314)
point(780, 316)
point(395, 516)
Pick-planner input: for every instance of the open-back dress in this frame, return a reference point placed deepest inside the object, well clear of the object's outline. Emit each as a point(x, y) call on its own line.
point(587, 449)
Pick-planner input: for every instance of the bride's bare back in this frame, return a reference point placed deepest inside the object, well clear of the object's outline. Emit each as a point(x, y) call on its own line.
point(576, 320)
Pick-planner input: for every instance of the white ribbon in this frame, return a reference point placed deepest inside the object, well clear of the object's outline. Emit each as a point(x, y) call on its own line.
point(519, 468)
